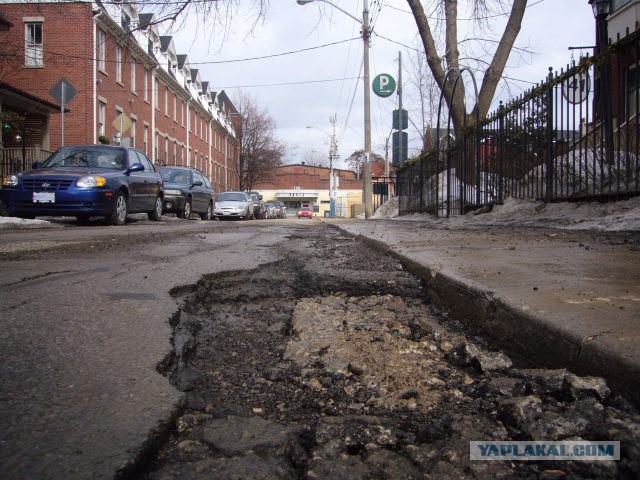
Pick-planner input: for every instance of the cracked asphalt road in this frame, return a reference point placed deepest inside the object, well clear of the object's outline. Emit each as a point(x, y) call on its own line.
point(89, 321)
point(84, 325)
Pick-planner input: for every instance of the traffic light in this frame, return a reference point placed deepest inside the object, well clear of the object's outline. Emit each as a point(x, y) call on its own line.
point(6, 126)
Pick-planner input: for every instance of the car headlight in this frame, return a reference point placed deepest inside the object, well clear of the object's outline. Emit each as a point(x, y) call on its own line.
point(172, 192)
point(10, 181)
point(91, 181)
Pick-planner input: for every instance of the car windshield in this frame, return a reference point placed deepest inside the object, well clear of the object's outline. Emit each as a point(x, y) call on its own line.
point(83, 157)
point(174, 175)
point(232, 197)
point(305, 209)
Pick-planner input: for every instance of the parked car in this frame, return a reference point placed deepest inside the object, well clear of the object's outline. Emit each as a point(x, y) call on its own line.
point(260, 209)
point(85, 181)
point(272, 210)
point(305, 212)
point(280, 209)
point(233, 205)
point(187, 191)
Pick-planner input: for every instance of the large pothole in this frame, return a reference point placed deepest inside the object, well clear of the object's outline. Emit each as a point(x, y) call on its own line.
point(331, 363)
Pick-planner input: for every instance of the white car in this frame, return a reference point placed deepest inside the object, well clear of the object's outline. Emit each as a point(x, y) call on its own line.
point(233, 205)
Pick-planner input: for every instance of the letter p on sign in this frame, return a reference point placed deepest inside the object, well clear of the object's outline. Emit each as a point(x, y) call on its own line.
point(384, 85)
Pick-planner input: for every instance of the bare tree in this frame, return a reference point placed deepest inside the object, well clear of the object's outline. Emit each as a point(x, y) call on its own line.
point(424, 94)
point(214, 15)
point(260, 150)
point(356, 159)
point(314, 158)
point(495, 67)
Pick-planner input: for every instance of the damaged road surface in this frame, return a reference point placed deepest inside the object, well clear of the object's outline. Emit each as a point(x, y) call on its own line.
point(331, 363)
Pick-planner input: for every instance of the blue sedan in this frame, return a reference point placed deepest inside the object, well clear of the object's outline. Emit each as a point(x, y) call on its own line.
point(85, 181)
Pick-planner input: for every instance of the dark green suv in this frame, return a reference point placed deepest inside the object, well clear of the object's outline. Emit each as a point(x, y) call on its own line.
point(187, 191)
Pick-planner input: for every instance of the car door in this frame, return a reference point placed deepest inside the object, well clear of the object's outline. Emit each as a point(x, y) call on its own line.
point(198, 193)
point(149, 184)
point(136, 183)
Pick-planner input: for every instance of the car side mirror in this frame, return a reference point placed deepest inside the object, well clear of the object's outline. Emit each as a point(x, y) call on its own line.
point(136, 167)
point(36, 165)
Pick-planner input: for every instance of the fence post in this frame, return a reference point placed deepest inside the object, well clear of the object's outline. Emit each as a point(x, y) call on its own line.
point(500, 147)
point(549, 139)
point(478, 162)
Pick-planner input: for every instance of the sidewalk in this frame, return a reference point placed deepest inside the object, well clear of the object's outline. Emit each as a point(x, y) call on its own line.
point(562, 298)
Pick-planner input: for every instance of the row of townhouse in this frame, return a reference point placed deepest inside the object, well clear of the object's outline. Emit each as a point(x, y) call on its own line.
point(131, 87)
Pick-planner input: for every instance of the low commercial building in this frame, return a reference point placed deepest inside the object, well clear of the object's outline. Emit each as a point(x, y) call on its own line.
point(301, 185)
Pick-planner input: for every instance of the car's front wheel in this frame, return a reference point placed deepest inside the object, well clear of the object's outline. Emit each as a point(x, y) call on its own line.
point(156, 214)
point(119, 210)
point(186, 211)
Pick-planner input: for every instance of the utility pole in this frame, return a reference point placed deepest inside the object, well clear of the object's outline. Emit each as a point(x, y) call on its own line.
point(333, 155)
point(400, 112)
point(366, 34)
point(366, 169)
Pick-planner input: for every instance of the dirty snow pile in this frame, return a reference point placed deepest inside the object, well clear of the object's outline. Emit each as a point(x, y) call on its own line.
point(14, 222)
point(388, 209)
point(612, 216)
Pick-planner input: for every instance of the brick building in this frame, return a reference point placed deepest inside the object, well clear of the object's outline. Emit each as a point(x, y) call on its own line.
point(132, 87)
point(302, 185)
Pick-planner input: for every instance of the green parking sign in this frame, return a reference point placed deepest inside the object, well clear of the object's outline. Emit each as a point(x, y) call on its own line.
point(384, 85)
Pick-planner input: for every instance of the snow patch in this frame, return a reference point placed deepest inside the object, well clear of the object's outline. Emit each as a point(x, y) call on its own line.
point(611, 216)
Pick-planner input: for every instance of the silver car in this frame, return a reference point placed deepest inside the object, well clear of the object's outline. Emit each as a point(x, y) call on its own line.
point(233, 205)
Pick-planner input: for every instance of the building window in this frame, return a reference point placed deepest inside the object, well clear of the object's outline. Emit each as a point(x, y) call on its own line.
point(146, 85)
point(166, 151)
point(133, 74)
point(118, 63)
point(34, 52)
point(102, 50)
point(633, 93)
point(145, 139)
point(618, 4)
point(125, 22)
point(102, 108)
point(119, 133)
point(156, 86)
point(133, 132)
point(175, 107)
point(166, 101)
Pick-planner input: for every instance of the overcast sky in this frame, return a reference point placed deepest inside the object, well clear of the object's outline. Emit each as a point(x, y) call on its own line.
point(307, 88)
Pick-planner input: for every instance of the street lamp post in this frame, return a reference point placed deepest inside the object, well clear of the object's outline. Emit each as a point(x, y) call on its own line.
point(601, 9)
point(366, 167)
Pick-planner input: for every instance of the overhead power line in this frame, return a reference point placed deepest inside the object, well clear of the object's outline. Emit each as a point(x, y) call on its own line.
point(304, 82)
point(213, 62)
point(275, 54)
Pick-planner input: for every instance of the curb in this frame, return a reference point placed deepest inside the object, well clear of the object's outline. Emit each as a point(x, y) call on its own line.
point(516, 331)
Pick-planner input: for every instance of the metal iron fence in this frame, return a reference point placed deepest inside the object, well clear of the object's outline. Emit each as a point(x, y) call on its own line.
point(14, 160)
point(553, 143)
point(383, 189)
